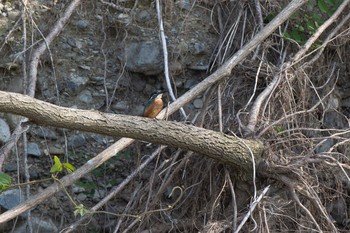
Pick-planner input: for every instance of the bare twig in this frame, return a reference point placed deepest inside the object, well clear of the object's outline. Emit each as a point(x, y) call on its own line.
point(165, 56)
point(234, 202)
point(251, 209)
point(24, 135)
point(220, 108)
point(105, 67)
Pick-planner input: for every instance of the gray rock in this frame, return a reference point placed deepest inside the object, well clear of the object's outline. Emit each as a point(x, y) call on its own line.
point(124, 18)
point(71, 42)
point(13, 15)
point(198, 49)
point(82, 24)
point(120, 106)
point(84, 67)
point(346, 102)
point(5, 133)
point(100, 139)
point(12, 119)
point(198, 103)
point(10, 198)
point(56, 150)
point(10, 168)
point(184, 4)
point(190, 83)
point(77, 189)
point(338, 210)
point(124, 82)
point(149, 89)
point(39, 224)
point(33, 174)
point(82, 197)
point(143, 57)
point(76, 140)
point(43, 132)
point(33, 149)
point(138, 84)
point(80, 44)
point(99, 194)
point(75, 83)
point(176, 67)
point(334, 120)
point(138, 110)
point(85, 96)
point(325, 146)
point(143, 16)
point(98, 80)
point(179, 83)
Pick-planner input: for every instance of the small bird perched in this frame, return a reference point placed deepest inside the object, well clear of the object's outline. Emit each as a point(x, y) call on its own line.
point(154, 104)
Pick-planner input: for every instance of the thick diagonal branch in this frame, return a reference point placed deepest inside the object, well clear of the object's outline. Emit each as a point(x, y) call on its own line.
point(219, 146)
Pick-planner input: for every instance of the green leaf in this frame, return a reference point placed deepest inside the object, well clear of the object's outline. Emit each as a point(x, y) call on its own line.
point(318, 18)
point(5, 181)
point(80, 210)
point(298, 37)
point(57, 166)
point(69, 167)
point(278, 128)
point(323, 7)
point(311, 26)
point(330, 2)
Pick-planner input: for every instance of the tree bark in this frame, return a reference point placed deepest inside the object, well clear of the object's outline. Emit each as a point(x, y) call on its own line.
point(225, 148)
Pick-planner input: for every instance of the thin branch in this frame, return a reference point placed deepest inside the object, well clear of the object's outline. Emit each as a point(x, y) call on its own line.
point(24, 134)
point(251, 209)
point(165, 56)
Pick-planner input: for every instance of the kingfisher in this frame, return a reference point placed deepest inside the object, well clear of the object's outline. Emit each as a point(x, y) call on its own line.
point(154, 104)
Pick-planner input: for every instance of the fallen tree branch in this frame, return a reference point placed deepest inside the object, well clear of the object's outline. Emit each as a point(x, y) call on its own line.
point(219, 146)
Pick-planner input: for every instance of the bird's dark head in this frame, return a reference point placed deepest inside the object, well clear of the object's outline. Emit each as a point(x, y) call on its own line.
point(157, 94)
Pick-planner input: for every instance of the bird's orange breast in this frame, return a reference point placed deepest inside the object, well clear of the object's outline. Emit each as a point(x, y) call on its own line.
point(154, 108)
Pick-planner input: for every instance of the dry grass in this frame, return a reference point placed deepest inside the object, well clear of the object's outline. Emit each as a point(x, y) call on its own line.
point(306, 184)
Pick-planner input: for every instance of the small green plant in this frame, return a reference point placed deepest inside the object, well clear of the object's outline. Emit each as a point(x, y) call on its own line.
point(80, 210)
point(305, 23)
point(280, 129)
point(328, 6)
point(5, 181)
point(58, 166)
